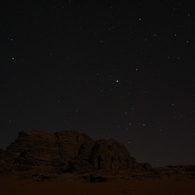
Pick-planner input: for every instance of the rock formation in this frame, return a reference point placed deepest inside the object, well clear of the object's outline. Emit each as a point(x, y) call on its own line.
point(70, 155)
point(66, 152)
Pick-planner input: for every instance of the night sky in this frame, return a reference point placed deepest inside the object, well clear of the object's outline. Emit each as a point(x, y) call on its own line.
point(120, 69)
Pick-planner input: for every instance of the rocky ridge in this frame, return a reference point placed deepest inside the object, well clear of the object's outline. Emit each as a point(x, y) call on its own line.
point(70, 155)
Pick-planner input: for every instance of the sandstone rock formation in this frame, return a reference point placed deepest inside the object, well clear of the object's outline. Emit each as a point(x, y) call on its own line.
point(174, 170)
point(66, 152)
point(70, 155)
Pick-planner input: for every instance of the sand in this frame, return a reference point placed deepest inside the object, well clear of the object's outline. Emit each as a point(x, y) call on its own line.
point(144, 187)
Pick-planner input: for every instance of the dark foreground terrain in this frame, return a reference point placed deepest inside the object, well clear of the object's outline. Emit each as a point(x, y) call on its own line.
point(139, 187)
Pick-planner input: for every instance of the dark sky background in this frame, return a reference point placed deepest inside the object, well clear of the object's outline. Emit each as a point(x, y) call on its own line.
point(112, 69)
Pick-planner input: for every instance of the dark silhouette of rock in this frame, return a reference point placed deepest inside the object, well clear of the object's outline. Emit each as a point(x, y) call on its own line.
point(66, 152)
point(75, 156)
point(174, 170)
point(112, 155)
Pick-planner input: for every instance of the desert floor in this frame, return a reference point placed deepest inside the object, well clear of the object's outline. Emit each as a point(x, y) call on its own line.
point(144, 187)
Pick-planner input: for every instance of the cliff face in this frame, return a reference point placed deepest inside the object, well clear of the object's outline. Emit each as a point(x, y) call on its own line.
point(66, 152)
point(70, 155)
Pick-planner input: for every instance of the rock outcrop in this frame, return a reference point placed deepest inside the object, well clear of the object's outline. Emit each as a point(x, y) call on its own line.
point(70, 155)
point(174, 170)
point(66, 152)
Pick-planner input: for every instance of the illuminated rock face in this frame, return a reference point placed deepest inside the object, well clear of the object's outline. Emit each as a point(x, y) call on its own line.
point(67, 151)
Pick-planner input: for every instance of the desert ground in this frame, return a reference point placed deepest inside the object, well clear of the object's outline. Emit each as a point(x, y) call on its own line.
point(143, 187)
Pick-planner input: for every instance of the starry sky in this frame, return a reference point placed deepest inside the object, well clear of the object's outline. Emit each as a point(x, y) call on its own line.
point(111, 69)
